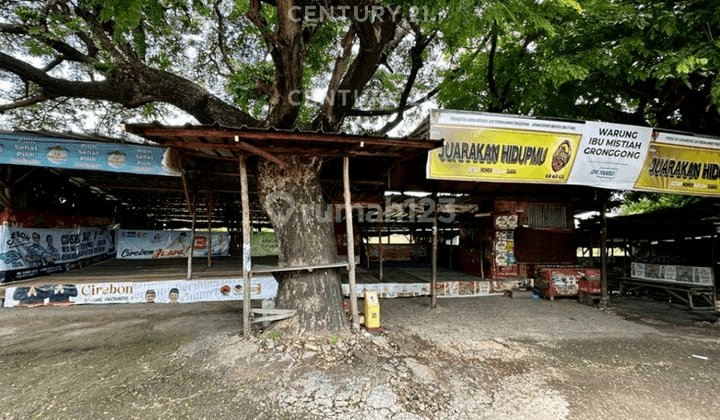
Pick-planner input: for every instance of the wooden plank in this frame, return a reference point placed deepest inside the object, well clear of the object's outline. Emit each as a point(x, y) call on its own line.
point(298, 268)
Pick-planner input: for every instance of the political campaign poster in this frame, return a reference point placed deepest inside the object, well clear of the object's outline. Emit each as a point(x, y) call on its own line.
point(50, 152)
point(610, 155)
point(486, 147)
point(683, 164)
point(172, 291)
point(26, 253)
point(160, 244)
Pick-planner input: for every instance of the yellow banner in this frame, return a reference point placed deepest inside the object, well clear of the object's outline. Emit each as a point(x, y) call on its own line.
point(499, 154)
point(680, 169)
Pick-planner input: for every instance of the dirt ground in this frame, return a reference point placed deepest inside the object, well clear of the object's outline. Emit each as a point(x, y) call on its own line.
point(488, 357)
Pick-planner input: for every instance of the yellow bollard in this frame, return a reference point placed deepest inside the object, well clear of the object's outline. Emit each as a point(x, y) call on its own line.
point(372, 310)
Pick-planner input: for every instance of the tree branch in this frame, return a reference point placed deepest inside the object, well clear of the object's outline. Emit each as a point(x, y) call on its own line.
point(386, 112)
point(63, 48)
point(221, 36)
point(491, 70)
point(373, 37)
point(135, 88)
point(40, 97)
point(503, 97)
point(254, 16)
point(421, 42)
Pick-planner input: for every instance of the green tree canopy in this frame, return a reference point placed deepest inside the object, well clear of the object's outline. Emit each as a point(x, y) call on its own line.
point(636, 62)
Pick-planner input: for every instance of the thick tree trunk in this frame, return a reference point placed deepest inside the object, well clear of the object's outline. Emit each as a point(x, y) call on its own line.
point(293, 200)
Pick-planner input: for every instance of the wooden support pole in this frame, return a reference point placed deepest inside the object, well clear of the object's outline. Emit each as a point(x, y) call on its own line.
point(210, 207)
point(603, 256)
point(380, 248)
point(350, 242)
point(192, 245)
point(482, 248)
point(247, 264)
point(451, 248)
point(712, 271)
point(367, 249)
point(433, 283)
point(191, 209)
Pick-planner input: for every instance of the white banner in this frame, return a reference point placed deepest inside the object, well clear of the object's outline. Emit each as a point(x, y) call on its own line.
point(176, 291)
point(454, 289)
point(681, 274)
point(28, 253)
point(610, 155)
point(158, 244)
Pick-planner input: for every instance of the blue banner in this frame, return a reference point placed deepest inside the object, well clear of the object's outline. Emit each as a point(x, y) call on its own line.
point(26, 253)
point(32, 150)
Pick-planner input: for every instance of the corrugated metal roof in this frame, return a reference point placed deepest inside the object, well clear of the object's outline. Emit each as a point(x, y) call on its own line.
point(220, 141)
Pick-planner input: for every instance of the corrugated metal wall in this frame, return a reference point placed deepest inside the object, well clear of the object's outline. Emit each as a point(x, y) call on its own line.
point(543, 216)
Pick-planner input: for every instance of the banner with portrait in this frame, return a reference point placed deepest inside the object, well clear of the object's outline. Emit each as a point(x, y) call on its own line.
point(26, 253)
point(160, 244)
point(171, 291)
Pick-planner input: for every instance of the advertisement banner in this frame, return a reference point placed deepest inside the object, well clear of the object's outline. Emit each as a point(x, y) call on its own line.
point(32, 150)
point(389, 290)
point(501, 148)
point(449, 289)
point(682, 274)
point(176, 291)
point(483, 147)
point(610, 155)
point(681, 164)
point(26, 253)
point(159, 244)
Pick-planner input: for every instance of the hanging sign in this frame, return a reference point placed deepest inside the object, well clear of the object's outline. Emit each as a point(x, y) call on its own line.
point(610, 155)
point(76, 154)
point(501, 148)
point(682, 164)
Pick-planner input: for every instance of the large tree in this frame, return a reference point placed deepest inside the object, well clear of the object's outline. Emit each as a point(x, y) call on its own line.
point(361, 66)
point(628, 61)
point(238, 63)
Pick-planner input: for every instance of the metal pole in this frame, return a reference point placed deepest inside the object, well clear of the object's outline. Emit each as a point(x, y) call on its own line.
point(433, 285)
point(350, 242)
point(246, 246)
point(603, 256)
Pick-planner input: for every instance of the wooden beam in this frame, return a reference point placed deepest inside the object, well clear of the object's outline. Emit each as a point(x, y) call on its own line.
point(315, 151)
point(207, 132)
point(260, 152)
